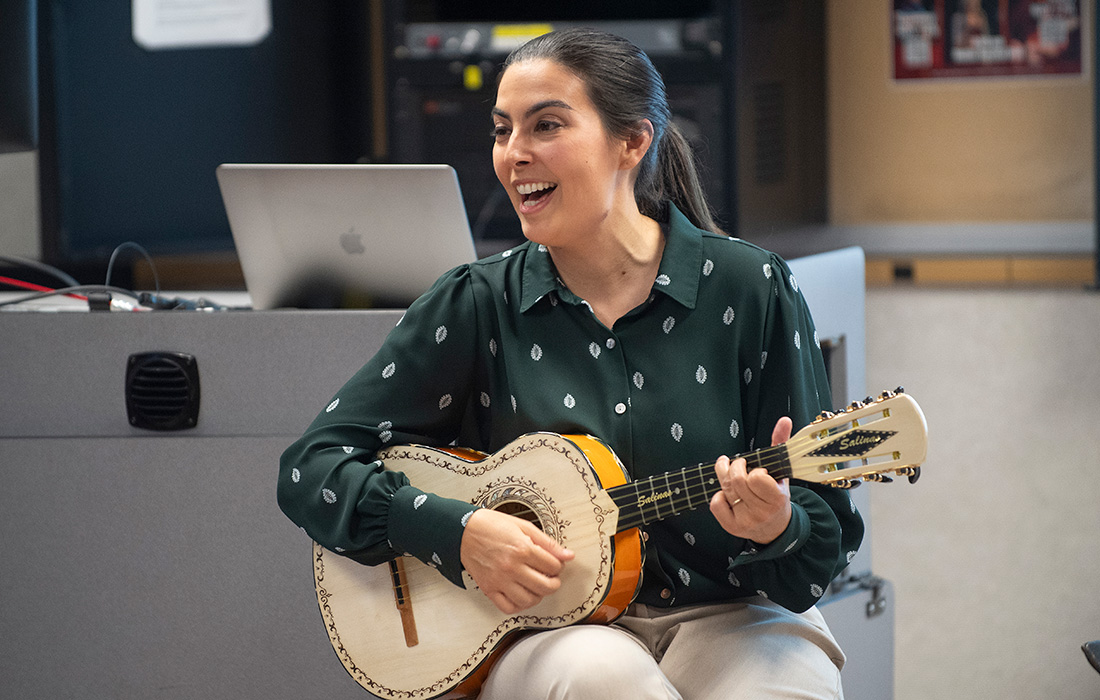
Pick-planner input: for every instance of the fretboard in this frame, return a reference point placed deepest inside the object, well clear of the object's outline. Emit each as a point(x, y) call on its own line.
point(658, 497)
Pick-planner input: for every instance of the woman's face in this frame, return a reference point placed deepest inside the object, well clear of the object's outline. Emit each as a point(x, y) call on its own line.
point(562, 171)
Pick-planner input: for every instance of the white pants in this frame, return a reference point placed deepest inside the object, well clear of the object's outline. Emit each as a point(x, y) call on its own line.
point(751, 649)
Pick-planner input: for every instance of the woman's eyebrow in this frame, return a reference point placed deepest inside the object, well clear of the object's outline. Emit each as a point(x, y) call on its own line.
point(537, 107)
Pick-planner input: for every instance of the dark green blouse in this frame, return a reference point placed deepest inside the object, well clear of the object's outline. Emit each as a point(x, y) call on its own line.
point(723, 347)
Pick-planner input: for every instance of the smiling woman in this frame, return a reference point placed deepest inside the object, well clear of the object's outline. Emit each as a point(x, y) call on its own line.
point(626, 315)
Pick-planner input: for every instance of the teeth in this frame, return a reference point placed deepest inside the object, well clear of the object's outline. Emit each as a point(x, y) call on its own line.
point(533, 187)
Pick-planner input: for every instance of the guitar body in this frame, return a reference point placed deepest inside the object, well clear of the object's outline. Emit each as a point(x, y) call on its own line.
point(403, 631)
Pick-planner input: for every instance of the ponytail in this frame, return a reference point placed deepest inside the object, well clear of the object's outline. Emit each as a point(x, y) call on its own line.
point(676, 179)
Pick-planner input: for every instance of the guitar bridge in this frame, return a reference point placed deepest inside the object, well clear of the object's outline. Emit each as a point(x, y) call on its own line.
point(404, 602)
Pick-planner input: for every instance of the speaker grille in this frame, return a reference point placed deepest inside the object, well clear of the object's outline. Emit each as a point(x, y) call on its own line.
point(162, 391)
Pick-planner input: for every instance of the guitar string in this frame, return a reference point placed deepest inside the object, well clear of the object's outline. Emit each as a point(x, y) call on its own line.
point(695, 479)
point(770, 458)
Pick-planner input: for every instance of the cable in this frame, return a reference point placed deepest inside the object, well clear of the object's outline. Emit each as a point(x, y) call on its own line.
point(75, 291)
point(41, 267)
point(130, 244)
point(31, 286)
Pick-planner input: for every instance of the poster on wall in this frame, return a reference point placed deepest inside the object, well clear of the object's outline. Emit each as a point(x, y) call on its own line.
point(983, 38)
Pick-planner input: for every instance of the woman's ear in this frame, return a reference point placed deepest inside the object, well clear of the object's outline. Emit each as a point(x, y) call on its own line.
point(637, 144)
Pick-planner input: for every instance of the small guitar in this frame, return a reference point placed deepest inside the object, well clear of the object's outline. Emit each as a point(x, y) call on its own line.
point(403, 631)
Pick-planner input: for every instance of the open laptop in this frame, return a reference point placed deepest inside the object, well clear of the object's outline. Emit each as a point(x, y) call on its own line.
point(344, 236)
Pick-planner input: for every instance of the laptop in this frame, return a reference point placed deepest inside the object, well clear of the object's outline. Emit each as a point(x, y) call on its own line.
point(344, 236)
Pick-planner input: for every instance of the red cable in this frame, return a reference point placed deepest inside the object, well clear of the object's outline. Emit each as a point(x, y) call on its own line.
point(34, 287)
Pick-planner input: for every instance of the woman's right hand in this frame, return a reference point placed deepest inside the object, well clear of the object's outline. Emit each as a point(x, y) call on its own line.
point(513, 562)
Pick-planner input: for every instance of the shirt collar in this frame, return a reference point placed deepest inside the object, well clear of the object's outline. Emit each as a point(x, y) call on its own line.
point(677, 277)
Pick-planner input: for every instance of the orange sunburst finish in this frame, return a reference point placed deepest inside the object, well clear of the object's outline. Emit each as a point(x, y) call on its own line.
point(626, 578)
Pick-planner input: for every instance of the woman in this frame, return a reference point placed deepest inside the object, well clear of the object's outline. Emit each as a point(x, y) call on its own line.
point(629, 316)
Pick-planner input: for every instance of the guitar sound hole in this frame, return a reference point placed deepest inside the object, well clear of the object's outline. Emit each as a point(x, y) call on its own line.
point(520, 510)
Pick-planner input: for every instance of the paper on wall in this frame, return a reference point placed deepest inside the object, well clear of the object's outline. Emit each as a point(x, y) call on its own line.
point(182, 24)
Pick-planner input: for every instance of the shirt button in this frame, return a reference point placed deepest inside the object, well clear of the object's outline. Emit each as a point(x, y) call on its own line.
point(665, 593)
point(645, 537)
point(620, 408)
point(610, 343)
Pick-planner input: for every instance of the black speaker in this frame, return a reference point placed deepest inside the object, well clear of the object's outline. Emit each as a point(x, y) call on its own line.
point(162, 391)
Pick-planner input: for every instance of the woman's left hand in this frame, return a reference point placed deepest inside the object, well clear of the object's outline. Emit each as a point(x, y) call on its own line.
point(753, 505)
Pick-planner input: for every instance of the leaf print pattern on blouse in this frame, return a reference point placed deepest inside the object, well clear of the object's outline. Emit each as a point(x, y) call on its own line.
point(650, 351)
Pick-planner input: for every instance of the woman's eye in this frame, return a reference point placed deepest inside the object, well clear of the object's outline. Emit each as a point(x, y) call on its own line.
point(499, 131)
point(547, 126)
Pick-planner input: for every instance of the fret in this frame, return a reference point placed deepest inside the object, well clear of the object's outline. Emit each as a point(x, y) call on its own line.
point(687, 488)
point(670, 498)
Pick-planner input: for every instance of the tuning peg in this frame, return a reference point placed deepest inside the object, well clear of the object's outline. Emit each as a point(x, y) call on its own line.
point(846, 484)
point(881, 478)
point(854, 406)
point(899, 390)
point(823, 416)
point(886, 395)
point(912, 472)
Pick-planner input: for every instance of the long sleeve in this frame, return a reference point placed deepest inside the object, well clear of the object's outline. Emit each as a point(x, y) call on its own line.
point(414, 390)
point(825, 529)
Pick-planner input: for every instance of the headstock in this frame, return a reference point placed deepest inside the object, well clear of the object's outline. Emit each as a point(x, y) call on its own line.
point(871, 439)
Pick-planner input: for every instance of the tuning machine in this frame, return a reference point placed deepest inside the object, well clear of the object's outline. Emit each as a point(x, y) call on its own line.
point(846, 484)
point(912, 472)
point(824, 416)
point(880, 478)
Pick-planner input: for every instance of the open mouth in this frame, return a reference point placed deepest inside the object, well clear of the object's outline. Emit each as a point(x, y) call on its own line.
point(532, 193)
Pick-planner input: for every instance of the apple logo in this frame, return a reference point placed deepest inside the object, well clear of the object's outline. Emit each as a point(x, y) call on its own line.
point(352, 242)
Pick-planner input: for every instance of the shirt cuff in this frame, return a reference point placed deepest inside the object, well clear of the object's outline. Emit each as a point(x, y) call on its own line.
point(792, 539)
point(429, 527)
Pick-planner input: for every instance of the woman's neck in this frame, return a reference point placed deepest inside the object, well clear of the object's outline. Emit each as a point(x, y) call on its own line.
point(615, 267)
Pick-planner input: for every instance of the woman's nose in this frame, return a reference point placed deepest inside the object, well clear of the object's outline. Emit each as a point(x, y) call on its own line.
point(517, 151)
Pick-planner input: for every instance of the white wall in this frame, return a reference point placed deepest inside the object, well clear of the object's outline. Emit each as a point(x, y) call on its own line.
point(995, 552)
point(19, 205)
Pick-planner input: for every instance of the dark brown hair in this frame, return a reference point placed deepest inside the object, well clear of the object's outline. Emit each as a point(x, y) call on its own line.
point(626, 88)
